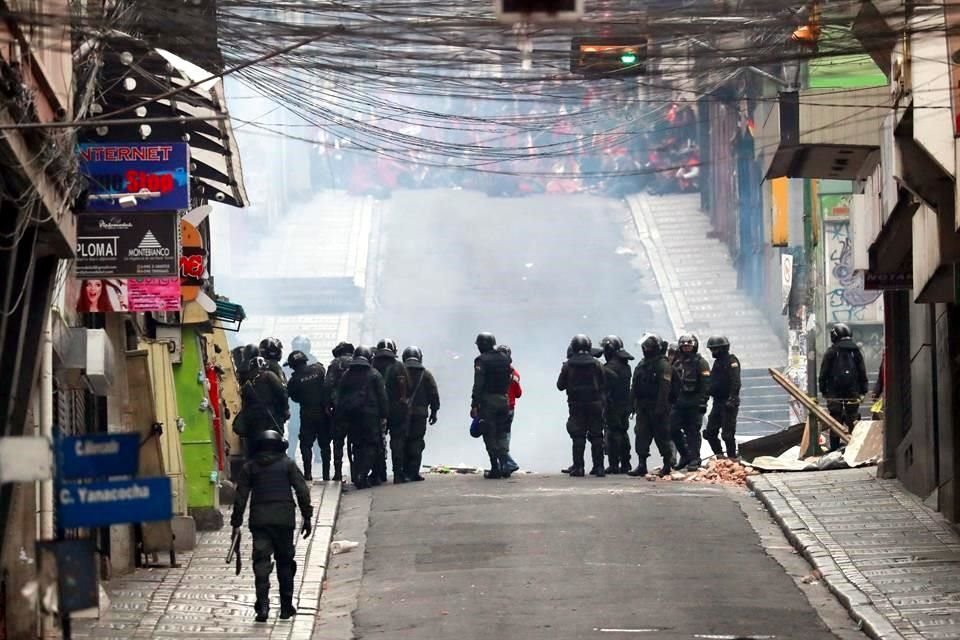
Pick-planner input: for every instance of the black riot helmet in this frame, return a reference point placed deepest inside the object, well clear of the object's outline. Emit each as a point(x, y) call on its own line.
point(687, 341)
point(486, 342)
point(664, 347)
point(610, 345)
point(505, 350)
point(387, 344)
point(718, 345)
point(343, 349)
point(271, 348)
point(839, 332)
point(413, 353)
point(301, 343)
point(650, 346)
point(271, 440)
point(364, 353)
point(581, 343)
point(249, 352)
point(297, 359)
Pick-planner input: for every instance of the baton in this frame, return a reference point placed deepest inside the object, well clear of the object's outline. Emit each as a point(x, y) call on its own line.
point(234, 549)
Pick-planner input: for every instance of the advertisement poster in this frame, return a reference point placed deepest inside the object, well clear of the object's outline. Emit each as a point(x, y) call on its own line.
point(101, 296)
point(153, 294)
point(128, 245)
point(156, 175)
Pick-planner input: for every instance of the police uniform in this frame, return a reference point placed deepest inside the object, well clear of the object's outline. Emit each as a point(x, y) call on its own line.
point(361, 401)
point(691, 386)
point(396, 379)
point(650, 391)
point(491, 381)
point(424, 403)
point(267, 481)
point(583, 378)
point(264, 405)
point(618, 414)
point(307, 388)
point(335, 371)
point(725, 391)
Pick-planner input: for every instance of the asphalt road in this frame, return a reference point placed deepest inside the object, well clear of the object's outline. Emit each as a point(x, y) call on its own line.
point(535, 271)
point(553, 557)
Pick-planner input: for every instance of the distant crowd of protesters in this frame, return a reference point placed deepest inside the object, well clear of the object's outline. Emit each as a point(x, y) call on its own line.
point(504, 149)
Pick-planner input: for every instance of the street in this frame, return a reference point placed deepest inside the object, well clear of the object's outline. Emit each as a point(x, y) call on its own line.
point(534, 271)
point(551, 557)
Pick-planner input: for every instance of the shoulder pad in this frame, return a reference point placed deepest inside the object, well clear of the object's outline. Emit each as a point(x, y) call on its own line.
point(735, 364)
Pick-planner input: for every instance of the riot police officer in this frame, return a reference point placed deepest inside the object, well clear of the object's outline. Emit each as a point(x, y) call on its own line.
point(271, 349)
point(242, 359)
point(650, 393)
point(263, 400)
point(583, 378)
point(302, 344)
point(489, 402)
point(691, 386)
point(306, 387)
point(361, 402)
point(267, 481)
point(617, 370)
point(725, 391)
point(342, 355)
point(397, 382)
point(424, 402)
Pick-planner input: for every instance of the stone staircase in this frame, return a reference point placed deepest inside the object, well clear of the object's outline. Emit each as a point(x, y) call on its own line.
point(698, 283)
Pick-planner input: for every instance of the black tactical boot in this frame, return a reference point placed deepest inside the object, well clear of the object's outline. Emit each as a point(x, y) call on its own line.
point(577, 472)
point(693, 465)
point(664, 471)
point(325, 466)
point(640, 471)
point(613, 468)
point(338, 471)
point(494, 472)
point(307, 471)
point(262, 605)
point(287, 610)
point(569, 469)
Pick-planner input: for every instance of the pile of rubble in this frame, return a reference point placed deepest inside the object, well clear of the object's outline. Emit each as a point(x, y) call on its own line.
point(722, 471)
point(715, 471)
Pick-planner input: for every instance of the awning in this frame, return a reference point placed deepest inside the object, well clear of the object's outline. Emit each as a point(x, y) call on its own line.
point(134, 72)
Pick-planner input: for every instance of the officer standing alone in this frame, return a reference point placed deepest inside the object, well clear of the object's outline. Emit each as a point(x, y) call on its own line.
point(843, 379)
point(269, 481)
point(725, 391)
point(583, 379)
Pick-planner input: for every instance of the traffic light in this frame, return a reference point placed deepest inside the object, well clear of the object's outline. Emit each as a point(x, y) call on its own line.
point(538, 10)
point(608, 56)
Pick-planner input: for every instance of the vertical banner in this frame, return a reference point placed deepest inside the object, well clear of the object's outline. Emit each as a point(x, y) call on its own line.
point(780, 223)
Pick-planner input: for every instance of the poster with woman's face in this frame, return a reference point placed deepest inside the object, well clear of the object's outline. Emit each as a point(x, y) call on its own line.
point(102, 296)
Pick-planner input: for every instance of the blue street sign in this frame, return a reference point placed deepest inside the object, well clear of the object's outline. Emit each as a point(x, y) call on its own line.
point(105, 454)
point(157, 173)
point(98, 504)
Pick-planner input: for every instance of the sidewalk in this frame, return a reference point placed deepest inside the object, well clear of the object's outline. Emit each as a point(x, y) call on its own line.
point(203, 598)
point(894, 563)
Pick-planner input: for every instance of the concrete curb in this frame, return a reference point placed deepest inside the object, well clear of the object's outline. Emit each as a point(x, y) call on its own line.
point(316, 560)
point(648, 234)
point(857, 603)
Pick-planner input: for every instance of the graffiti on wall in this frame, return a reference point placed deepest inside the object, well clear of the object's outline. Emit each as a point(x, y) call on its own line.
point(846, 299)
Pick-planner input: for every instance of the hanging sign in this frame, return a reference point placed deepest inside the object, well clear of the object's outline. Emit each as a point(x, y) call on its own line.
point(127, 245)
point(136, 176)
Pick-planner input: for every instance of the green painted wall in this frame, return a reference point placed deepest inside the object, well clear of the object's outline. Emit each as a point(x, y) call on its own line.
point(196, 439)
point(844, 72)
